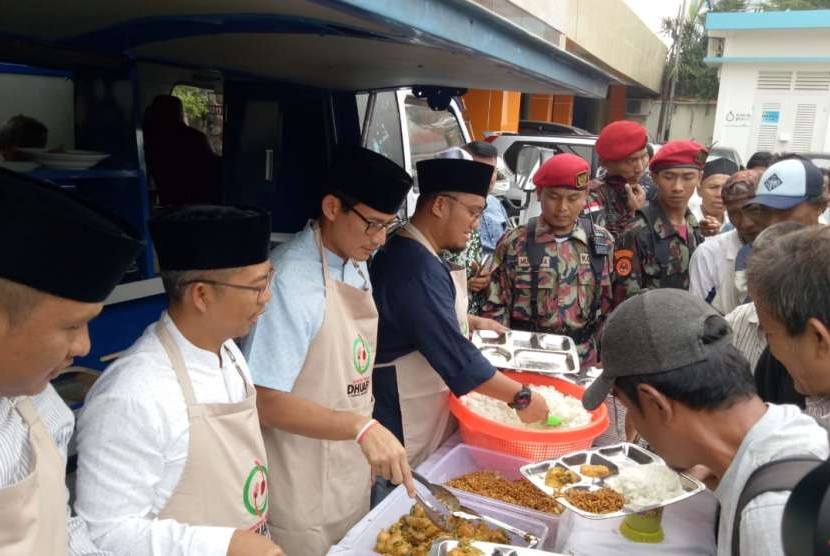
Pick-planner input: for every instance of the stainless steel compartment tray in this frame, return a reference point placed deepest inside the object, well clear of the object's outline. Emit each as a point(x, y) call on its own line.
point(614, 457)
point(518, 350)
point(443, 547)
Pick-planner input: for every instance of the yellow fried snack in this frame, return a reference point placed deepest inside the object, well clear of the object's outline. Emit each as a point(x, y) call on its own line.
point(557, 477)
point(464, 548)
point(596, 471)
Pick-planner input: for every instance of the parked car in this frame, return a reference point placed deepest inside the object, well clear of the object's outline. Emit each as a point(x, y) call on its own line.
point(718, 151)
point(532, 127)
point(822, 160)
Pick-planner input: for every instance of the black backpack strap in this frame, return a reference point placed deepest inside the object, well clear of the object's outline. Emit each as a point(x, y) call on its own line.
point(535, 254)
point(599, 248)
point(775, 476)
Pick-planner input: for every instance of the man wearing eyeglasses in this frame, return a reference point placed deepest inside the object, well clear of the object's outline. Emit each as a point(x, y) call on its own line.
point(170, 453)
point(424, 348)
point(312, 356)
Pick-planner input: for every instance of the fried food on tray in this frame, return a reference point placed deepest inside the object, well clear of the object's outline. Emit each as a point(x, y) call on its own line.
point(413, 534)
point(520, 492)
point(464, 548)
point(596, 471)
point(557, 477)
point(602, 501)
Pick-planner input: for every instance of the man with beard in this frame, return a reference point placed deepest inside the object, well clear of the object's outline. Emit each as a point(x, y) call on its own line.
point(554, 274)
point(622, 148)
point(424, 351)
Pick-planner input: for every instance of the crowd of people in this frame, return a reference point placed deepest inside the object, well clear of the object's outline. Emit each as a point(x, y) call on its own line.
point(284, 392)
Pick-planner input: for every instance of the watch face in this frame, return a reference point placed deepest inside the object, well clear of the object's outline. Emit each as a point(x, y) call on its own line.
point(522, 398)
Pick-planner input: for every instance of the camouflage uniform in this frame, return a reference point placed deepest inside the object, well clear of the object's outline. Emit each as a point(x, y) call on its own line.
point(651, 254)
point(470, 258)
point(567, 287)
point(607, 205)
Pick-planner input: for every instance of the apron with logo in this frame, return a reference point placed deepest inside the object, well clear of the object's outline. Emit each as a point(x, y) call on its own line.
point(423, 395)
point(321, 488)
point(224, 480)
point(33, 511)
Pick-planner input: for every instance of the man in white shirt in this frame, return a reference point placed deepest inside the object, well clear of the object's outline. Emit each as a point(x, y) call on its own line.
point(170, 454)
point(312, 355)
point(789, 285)
point(712, 267)
point(710, 212)
point(668, 358)
point(61, 259)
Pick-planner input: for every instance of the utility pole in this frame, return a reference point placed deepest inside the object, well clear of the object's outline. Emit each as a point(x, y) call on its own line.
point(669, 86)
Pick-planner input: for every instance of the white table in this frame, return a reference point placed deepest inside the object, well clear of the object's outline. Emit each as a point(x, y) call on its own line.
point(689, 527)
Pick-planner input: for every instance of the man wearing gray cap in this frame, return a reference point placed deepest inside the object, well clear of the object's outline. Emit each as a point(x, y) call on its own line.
point(691, 395)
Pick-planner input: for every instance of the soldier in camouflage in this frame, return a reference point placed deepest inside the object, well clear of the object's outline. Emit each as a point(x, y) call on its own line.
point(655, 249)
point(554, 274)
point(612, 201)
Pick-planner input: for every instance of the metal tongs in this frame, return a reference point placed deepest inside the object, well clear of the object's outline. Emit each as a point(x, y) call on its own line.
point(443, 504)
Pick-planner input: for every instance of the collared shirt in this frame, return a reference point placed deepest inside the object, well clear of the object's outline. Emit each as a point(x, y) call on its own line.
point(16, 456)
point(415, 296)
point(783, 432)
point(712, 271)
point(567, 286)
point(133, 436)
point(493, 224)
point(747, 335)
point(638, 262)
point(277, 346)
point(607, 204)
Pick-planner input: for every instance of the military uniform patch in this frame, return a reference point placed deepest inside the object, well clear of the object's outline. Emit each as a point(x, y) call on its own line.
point(584, 258)
point(622, 262)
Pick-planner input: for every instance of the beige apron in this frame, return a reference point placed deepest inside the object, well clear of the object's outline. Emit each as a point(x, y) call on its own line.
point(33, 511)
point(423, 395)
point(224, 481)
point(321, 488)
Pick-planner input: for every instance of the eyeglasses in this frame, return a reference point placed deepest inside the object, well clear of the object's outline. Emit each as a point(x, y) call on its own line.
point(474, 210)
point(261, 291)
point(372, 226)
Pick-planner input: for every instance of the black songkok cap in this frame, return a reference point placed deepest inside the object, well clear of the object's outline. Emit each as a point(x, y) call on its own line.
point(454, 175)
point(59, 244)
point(719, 166)
point(364, 176)
point(209, 237)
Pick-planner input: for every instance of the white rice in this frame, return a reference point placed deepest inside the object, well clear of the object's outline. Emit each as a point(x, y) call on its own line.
point(646, 485)
point(567, 408)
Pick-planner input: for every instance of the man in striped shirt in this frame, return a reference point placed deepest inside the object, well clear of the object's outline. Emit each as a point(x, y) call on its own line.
point(61, 259)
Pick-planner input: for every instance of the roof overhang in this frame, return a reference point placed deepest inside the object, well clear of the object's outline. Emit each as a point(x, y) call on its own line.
point(758, 21)
point(335, 44)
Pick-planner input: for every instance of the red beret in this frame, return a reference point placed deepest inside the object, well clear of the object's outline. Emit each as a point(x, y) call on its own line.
point(563, 170)
point(679, 154)
point(619, 140)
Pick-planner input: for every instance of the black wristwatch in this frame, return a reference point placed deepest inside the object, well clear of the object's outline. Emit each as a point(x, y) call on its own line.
point(522, 399)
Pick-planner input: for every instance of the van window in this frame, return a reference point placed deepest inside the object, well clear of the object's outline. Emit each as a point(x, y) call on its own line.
point(203, 111)
point(430, 131)
point(384, 135)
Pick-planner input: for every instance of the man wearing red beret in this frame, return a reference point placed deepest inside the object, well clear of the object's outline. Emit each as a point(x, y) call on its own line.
point(655, 249)
point(554, 274)
point(621, 147)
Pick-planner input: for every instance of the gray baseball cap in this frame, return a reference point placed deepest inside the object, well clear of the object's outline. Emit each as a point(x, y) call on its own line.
point(650, 333)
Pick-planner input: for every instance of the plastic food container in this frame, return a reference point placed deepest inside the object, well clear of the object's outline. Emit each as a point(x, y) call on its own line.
point(363, 536)
point(534, 445)
point(464, 459)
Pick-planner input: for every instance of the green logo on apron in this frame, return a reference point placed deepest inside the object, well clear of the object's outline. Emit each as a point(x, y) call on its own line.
point(255, 491)
point(361, 355)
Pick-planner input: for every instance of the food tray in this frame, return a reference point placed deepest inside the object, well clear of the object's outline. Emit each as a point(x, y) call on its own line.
point(442, 548)
point(363, 536)
point(463, 459)
point(614, 457)
point(528, 351)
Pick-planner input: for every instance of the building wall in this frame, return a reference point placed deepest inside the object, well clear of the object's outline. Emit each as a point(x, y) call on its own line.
point(689, 120)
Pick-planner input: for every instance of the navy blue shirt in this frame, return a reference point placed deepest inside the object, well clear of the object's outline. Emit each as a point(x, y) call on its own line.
point(415, 297)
